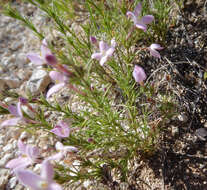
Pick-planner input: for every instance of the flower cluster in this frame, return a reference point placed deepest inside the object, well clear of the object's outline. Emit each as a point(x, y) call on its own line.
point(62, 75)
point(106, 51)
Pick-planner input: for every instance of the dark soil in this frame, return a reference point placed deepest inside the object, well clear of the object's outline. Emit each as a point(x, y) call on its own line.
point(181, 162)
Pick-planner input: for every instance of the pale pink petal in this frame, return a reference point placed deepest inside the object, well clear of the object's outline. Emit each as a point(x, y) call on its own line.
point(156, 46)
point(103, 60)
point(96, 56)
point(59, 146)
point(132, 16)
point(44, 49)
point(20, 162)
point(103, 46)
point(19, 110)
point(57, 76)
point(61, 129)
point(29, 179)
point(138, 9)
point(60, 132)
point(141, 26)
point(13, 110)
point(54, 186)
point(57, 157)
point(10, 122)
point(70, 149)
point(154, 53)
point(32, 152)
point(47, 172)
point(34, 58)
point(139, 74)
point(110, 51)
point(21, 146)
point(54, 89)
point(147, 19)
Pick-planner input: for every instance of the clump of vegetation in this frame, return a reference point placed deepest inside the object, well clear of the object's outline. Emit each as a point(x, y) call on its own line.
point(119, 114)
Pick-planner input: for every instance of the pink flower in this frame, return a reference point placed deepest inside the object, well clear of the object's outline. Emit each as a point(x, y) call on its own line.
point(62, 151)
point(139, 74)
point(40, 60)
point(153, 49)
point(29, 155)
point(61, 129)
point(93, 40)
point(140, 23)
point(106, 51)
point(47, 58)
point(17, 112)
point(36, 182)
point(60, 80)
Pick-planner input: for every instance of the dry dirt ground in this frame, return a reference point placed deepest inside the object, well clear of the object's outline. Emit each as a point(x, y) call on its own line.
point(181, 161)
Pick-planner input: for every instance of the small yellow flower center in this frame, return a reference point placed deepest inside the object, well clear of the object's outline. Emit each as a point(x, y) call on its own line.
point(62, 131)
point(43, 184)
point(24, 155)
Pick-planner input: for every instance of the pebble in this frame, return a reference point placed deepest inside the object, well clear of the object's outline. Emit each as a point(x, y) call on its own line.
point(12, 182)
point(174, 130)
point(38, 82)
point(11, 82)
point(5, 159)
point(8, 148)
point(4, 175)
point(183, 117)
point(17, 45)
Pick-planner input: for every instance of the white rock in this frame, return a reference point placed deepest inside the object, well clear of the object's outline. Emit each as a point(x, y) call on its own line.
point(174, 130)
point(4, 176)
point(24, 135)
point(7, 61)
point(21, 60)
point(17, 45)
point(8, 148)
point(183, 117)
point(8, 100)
point(2, 85)
point(11, 82)
point(37, 168)
point(13, 182)
point(86, 184)
point(24, 74)
point(38, 82)
point(5, 159)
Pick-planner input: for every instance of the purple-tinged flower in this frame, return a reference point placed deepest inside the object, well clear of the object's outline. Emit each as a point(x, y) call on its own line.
point(37, 59)
point(139, 74)
point(43, 182)
point(60, 80)
point(17, 112)
point(29, 155)
point(62, 151)
point(61, 129)
point(142, 22)
point(153, 49)
point(106, 51)
point(93, 40)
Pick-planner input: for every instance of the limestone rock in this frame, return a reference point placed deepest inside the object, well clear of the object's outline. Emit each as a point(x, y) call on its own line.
point(38, 82)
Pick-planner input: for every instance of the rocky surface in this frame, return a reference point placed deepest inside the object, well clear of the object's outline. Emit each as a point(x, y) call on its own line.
point(18, 74)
